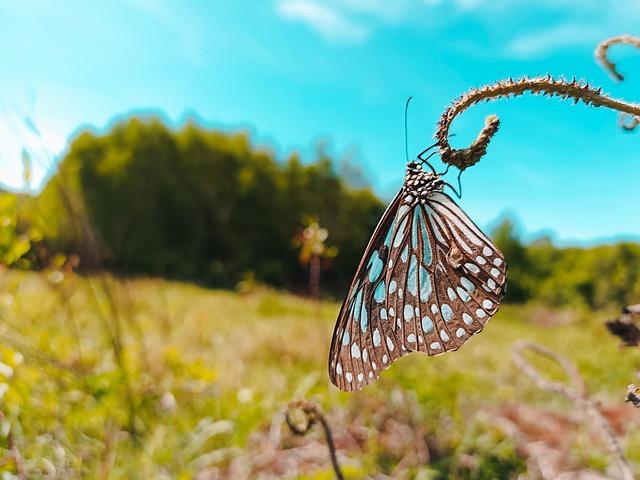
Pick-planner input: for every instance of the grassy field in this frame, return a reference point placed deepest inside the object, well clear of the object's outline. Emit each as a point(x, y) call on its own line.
point(111, 378)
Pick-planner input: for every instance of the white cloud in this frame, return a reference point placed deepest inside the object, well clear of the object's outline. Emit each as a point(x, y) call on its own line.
point(327, 21)
point(355, 20)
point(555, 38)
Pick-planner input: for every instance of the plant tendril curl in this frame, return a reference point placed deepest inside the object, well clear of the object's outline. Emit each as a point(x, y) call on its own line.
point(601, 55)
point(547, 86)
point(313, 414)
point(603, 48)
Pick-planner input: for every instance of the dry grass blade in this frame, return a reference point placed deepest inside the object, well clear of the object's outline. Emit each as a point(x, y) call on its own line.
point(575, 394)
point(574, 90)
point(313, 414)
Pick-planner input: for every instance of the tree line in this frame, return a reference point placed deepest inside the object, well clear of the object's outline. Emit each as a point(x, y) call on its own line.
point(209, 206)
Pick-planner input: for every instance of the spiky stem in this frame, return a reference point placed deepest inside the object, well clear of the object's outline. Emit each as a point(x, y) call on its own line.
point(603, 48)
point(548, 86)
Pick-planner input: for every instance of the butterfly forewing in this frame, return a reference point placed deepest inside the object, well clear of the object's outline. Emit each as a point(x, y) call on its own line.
point(362, 343)
point(428, 281)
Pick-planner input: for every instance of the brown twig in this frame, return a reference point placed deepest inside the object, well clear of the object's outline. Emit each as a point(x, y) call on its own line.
point(603, 48)
point(312, 414)
point(548, 86)
point(577, 394)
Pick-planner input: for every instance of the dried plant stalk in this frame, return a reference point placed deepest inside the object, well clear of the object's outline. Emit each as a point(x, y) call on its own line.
point(601, 55)
point(577, 395)
point(313, 413)
point(602, 51)
point(548, 86)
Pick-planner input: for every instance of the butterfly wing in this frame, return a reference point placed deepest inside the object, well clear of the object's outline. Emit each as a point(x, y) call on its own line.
point(450, 280)
point(429, 279)
point(363, 342)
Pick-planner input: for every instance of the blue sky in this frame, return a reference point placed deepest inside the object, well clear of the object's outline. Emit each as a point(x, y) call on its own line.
point(294, 72)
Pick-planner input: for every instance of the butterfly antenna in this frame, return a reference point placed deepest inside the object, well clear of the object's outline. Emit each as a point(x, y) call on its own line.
point(458, 192)
point(406, 136)
point(425, 161)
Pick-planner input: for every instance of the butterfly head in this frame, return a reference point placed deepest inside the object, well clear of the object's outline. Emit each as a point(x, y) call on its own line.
point(421, 183)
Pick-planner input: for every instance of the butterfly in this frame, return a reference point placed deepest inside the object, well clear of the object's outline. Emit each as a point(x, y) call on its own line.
point(429, 279)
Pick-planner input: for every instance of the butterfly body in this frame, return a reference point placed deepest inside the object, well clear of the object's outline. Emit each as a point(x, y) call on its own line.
point(429, 280)
point(419, 184)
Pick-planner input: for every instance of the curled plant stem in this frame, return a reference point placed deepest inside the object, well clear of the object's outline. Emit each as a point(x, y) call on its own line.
point(576, 394)
point(601, 55)
point(603, 48)
point(575, 90)
point(628, 123)
point(313, 414)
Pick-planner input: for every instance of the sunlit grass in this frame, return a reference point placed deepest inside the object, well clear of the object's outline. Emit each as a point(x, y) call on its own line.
point(209, 371)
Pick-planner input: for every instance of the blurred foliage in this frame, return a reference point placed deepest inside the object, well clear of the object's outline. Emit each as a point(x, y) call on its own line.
point(209, 206)
point(212, 371)
point(15, 241)
point(594, 277)
point(204, 205)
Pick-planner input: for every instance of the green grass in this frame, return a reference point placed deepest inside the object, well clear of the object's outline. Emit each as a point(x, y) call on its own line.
point(205, 376)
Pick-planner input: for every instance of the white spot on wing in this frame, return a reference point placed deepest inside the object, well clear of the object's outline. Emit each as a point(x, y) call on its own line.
point(408, 312)
point(435, 346)
point(463, 295)
point(447, 313)
point(411, 338)
point(467, 319)
point(466, 283)
point(376, 338)
point(472, 267)
point(444, 336)
point(390, 345)
point(355, 350)
point(480, 313)
point(460, 333)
